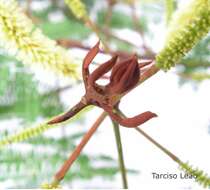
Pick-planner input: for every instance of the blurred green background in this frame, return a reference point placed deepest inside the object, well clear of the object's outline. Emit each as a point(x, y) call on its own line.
point(23, 100)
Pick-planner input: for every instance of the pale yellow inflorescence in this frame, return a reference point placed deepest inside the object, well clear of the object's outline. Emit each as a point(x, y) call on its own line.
point(200, 176)
point(78, 8)
point(188, 27)
point(28, 44)
point(53, 185)
point(25, 134)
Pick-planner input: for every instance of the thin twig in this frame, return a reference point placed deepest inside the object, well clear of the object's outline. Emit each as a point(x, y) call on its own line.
point(61, 89)
point(138, 29)
point(110, 34)
point(149, 73)
point(120, 154)
point(62, 172)
point(95, 29)
point(108, 15)
point(28, 7)
point(166, 151)
point(69, 43)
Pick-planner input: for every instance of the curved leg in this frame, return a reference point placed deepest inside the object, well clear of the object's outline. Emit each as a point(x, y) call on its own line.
point(130, 122)
point(87, 60)
point(73, 111)
point(101, 70)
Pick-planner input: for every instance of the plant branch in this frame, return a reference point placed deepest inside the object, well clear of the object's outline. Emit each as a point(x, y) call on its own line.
point(69, 43)
point(166, 151)
point(120, 154)
point(139, 30)
point(62, 172)
point(200, 176)
point(108, 16)
point(96, 30)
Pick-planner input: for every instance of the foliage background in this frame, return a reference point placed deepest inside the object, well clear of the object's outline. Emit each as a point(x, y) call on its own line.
point(180, 98)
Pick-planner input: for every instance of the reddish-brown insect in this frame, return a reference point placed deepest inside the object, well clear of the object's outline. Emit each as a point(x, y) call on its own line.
point(124, 76)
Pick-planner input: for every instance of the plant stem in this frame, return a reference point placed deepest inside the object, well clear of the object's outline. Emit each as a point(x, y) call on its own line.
point(138, 29)
point(120, 154)
point(149, 73)
point(69, 43)
point(66, 166)
point(96, 30)
point(166, 151)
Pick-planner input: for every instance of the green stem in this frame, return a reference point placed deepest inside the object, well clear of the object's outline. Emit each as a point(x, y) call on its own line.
point(120, 154)
point(201, 177)
point(166, 151)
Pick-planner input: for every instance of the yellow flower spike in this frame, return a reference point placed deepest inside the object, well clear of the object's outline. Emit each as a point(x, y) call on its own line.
point(187, 28)
point(78, 8)
point(53, 185)
point(29, 45)
point(200, 176)
point(25, 134)
point(49, 186)
point(33, 131)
